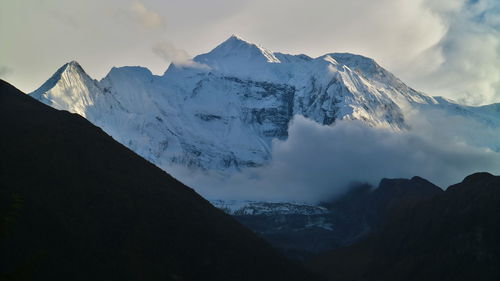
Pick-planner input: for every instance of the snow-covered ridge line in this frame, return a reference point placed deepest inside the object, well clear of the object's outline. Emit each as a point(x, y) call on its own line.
point(224, 117)
point(248, 207)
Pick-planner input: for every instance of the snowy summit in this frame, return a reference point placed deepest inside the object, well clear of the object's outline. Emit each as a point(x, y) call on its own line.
point(225, 116)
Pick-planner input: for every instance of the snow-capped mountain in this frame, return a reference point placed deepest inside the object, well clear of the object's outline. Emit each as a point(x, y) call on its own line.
point(222, 110)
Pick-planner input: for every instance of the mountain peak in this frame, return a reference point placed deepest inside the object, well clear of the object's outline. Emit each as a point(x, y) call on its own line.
point(357, 62)
point(236, 41)
point(238, 57)
point(237, 37)
point(236, 50)
point(70, 88)
point(138, 72)
point(477, 177)
point(69, 69)
point(73, 65)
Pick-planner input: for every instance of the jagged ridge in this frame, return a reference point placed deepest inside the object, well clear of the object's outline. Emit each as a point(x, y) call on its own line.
point(223, 116)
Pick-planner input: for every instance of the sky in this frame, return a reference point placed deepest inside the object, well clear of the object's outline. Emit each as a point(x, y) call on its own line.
point(446, 47)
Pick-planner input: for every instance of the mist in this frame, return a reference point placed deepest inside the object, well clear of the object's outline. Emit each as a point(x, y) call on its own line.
point(170, 53)
point(318, 163)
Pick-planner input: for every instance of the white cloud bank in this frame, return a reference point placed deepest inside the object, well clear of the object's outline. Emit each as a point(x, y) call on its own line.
point(444, 47)
point(319, 162)
point(465, 63)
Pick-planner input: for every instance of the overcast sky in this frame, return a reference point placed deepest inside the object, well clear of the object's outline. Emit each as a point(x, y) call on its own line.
point(442, 47)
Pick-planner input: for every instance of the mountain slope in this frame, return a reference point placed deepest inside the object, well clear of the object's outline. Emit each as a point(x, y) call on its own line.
point(452, 236)
point(77, 205)
point(70, 88)
point(223, 111)
point(370, 207)
point(301, 231)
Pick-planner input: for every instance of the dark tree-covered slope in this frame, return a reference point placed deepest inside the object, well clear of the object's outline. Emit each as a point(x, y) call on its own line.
point(77, 205)
point(455, 235)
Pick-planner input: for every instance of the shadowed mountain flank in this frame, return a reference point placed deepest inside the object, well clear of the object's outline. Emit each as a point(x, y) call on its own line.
point(451, 236)
point(77, 205)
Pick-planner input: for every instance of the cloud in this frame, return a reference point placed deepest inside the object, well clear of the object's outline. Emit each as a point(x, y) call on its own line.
point(179, 57)
point(445, 47)
point(145, 16)
point(391, 31)
point(465, 63)
point(319, 162)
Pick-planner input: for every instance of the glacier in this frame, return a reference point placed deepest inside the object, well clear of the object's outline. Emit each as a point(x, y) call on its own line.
point(222, 112)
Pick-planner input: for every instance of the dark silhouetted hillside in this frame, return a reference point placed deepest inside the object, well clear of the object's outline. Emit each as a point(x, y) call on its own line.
point(369, 206)
point(343, 221)
point(452, 236)
point(77, 205)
